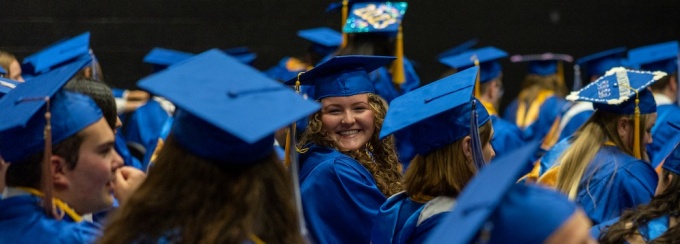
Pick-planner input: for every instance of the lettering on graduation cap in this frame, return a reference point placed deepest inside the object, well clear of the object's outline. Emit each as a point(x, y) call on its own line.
point(379, 17)
point(603, 89)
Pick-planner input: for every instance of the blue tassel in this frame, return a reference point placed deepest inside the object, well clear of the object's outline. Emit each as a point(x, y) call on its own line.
point(477, 156)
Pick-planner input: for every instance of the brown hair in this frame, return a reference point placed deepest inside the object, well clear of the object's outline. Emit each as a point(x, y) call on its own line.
point(100, 93)
point(587, 142)
point(666, 203)
point(384, 166)
point(196, 201)
point(6, 60)
point(443, 172)
point(533, 84)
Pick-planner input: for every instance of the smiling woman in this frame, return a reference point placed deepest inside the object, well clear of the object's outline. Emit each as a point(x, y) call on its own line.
point(346, 171)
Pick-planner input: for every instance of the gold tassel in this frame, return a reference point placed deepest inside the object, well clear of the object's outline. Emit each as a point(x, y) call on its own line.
point(46, 180)
point(478, 93)
point(291, 133)
point(636, 134)
point(345, 13)
point(397, 70)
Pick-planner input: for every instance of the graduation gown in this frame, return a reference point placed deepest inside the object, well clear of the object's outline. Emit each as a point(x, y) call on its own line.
point(286, 69)
point(507, 137)
point(662, 132)
point(613, 182)
point(382, 82)
point(402, 220)
point(574, 118)
point(22, 220)
point(548, 111)
point(339, 196)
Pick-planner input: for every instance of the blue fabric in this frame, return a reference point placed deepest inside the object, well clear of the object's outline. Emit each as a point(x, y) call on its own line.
point(392, 217)
point(339, 197)
point(574, 123)
point(22, 220)
point(124, 152)
point(507, 137)
point(654, 228)
point(613, 182)
point(281, 72)
point(551, 108)
point(144, 124)
point(662, 132)
point(597, 230)
point(550, 157)
point(165, 131)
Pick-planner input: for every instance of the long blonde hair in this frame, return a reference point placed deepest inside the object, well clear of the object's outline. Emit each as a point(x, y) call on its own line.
point(601, 127)
point(384, 164)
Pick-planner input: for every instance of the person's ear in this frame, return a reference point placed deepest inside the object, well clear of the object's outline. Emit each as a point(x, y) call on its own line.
point(623, 127)
point(467, 147)
point(59, 171)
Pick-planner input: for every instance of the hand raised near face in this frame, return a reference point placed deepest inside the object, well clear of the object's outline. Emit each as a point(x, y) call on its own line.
point(128, 179)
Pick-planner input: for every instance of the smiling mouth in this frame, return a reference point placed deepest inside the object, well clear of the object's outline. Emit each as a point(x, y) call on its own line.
point(348, 132)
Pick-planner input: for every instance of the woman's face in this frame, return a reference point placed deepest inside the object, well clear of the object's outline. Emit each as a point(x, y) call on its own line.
point(15, 71)
point(487, 150)
point(348, 121)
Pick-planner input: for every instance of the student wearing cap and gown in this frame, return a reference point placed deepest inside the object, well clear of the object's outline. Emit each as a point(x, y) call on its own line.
point(439, 117)
point(540, 103)
point(493, 209)
point(324, 41)
point(346, 171)
point(661, 57)
point(374, 28)
point(217, 179)
point(6, 85)
point(11, 67)
point(507, 135)
point(77, 174)
point(606, 168)
point(656, 221)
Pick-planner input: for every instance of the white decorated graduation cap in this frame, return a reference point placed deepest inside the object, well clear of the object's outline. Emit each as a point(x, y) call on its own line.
point(486, 57)
point(62, 52)
point(493, 209)
point(375, 17)
point(657, 57)
point(243, 54)
point(543, 64)
point(437, 114)
point(342, 76)
point(7, 85)
point(229, 111)
point(324, 40)
point(598, 63)
point(465, 46)
point(23, 121)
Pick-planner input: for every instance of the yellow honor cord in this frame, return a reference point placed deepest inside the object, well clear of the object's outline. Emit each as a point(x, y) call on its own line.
point(526, 117)
point(552, 136)
point(560, 73)
point(345, 13)
point(478, 93)
point(489, 108)
point(255, 239)
point(58, 204)
point(397, 70)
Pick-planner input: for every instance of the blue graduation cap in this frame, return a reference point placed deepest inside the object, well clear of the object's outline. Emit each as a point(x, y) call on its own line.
point(375, 17)
point(543, 64)
point(657, 57)
point(23, 122)
point(493, 209)
point(7, 85)
point(667, 151)
point(230, 112)
point(162, 58)
point(437, 114)
point(243, 54)
point(324, 40)
point(342, 76)
point(62, 52)
point(598, 63)
point(672, 162)
point(465, 46)
point(487, 57)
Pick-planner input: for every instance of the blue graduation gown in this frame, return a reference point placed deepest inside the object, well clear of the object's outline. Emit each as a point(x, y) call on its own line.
point(339, 196)
point(382, 81)
point(551, 108)
point(402, 220)
point(144, 124)
point(507, 136)
point(22, 220)
point(652, 230)
point(286, 69)
point(549, 158)
point(662, 132)
point(124, 152)
point(613, 182)
point(574, 118)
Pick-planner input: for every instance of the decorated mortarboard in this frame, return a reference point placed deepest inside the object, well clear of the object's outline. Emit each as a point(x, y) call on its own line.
point(622, 91)
point(230, 111)
point(465, 46)
point(375, 17)
point(7, 85)
point(243, 54)
point(543, 64)
point(493, 209)
point(324, 40)
point(486, 57)
point(23, 122)
point(62, 52)
point(437, 114)
point(657, 57)
point(342, 76)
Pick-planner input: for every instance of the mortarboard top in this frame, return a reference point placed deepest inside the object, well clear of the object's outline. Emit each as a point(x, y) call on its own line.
point(598, 63)
point(243, 54)
point(504, 212)
point(465, 46)
point(337, 6)
point(23, 122)
point(612, 92)
point(542, 64)
point(7, 85)
point(438, 113)
point(324, 40)
point(375, 17)
point(342, 75)
point(229, 111)
point(57, 54)
point(657, 57)
point(162, 58)
point(487, 58)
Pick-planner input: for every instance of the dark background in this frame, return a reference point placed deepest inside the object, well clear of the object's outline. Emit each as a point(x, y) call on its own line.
point(124, 31)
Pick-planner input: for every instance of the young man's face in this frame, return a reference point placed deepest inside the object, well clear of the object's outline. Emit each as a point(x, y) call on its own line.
point(90, 183)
